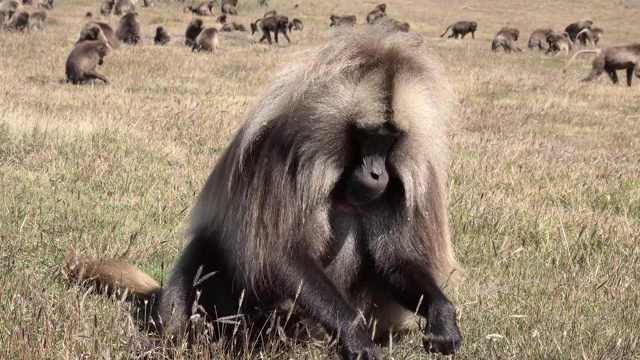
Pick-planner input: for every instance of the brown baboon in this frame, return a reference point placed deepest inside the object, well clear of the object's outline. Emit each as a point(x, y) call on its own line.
point(576, 27)
point(89, 15)
point(229, 7)
point(376, 13)
point(37, 19)
point(232, 26)
point(222, 19)
point(83, 60)
point(19, 21)
point(332, 196)
point(129, 30)
point(207, 40)
point(47, 4)
point(123, 7)
point(559, 43)
point(8, 8)
point(106, 7)
point(505, 40)
point(92, 32)
point(348, 20)
point(162, 36)
point(205, 8)
point(149, 3)
point(393, 24)
point(276, 24)
point(611, 59)
point(461, 28)
point(538, 39)
point(589, 36)
point(95, 30)
point(270, 13)
point(193, 30)
point(296, 24)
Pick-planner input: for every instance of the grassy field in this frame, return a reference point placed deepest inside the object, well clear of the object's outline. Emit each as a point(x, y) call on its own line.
point(544, 181)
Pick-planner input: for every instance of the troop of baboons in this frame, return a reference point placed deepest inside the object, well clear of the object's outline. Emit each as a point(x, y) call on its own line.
point(334, 200)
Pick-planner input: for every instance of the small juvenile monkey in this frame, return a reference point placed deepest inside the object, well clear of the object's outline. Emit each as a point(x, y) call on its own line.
point(377, 13)
point(193, 30)
point(107, 7)
point(162, 36)
point(37, 19)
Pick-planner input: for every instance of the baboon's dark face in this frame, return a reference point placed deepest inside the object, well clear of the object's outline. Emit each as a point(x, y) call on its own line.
point(382, 7)
point(367, 177)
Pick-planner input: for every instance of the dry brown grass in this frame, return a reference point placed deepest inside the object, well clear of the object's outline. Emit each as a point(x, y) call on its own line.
point(545, 200)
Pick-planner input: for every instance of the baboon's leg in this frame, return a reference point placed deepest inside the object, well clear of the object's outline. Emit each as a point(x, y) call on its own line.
point(612, 74)
point(462, 35)
point(275, 34)
point(473, 35)
point(286, 37)
point(268, 33)
point(412, 284)
point(629, 76)
point(96, 75)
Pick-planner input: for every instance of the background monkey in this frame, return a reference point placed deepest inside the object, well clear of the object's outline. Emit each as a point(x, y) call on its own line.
point(611, 59)
point(83, 61)
point(333, 193)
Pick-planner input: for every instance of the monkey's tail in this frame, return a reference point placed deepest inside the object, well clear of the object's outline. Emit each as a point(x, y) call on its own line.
point(592, 51)
point(445, 32)
point(111, 275)
point(254, 26)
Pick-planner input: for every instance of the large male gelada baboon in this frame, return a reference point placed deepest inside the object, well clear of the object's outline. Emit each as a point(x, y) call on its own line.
point(505, 40)
point(330, 202)
point(129, 30)
point(193, 30)
point(461, 28)
point(348, 20)
point(611, 59)
point(377, 13)
point(538, 39)
point(276, 24)
point(207, 40)
point(83, 61)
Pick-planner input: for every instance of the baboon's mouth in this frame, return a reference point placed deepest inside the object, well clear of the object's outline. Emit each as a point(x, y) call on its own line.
point(340, 203)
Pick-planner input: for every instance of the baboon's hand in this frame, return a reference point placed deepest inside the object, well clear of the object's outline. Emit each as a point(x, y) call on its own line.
point(442, 334)
point(359, 346)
